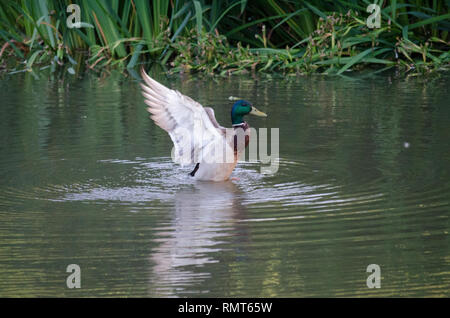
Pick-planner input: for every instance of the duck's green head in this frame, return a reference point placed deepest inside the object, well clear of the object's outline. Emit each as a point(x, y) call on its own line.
point(242, 108)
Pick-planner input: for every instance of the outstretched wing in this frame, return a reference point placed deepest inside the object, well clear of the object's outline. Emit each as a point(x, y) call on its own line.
point(193, 129)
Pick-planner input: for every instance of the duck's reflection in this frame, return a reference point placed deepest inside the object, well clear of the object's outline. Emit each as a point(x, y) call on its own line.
point(203, 217)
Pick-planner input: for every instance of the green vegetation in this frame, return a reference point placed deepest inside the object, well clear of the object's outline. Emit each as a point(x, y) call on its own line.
point(225, 37)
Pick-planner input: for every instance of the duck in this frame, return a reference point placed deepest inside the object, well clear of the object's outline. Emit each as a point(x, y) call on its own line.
point(197, 137)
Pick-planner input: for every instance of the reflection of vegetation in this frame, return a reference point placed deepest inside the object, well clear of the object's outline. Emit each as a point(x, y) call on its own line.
point(225, 37)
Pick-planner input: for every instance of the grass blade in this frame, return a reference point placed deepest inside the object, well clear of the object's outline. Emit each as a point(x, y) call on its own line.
point(354, 60)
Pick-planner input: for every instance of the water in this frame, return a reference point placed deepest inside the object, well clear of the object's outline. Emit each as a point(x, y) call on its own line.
point(86, 178)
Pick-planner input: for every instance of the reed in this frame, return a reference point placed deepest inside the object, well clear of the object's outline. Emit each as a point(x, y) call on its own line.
point(226, 36)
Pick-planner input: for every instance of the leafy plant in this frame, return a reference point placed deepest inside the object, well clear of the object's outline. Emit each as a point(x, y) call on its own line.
point(225, 37)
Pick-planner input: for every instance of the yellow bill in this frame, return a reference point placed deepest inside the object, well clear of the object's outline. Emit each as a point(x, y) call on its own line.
point(257, 112)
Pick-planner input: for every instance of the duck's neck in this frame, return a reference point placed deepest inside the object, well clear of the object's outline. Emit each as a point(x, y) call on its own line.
point(236, 120)
point(243, 125)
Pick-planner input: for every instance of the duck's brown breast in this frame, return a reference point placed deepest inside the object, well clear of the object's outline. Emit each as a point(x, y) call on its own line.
point(241, 130)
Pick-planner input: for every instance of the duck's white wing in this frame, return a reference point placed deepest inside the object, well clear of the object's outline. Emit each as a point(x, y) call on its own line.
point(193, 129)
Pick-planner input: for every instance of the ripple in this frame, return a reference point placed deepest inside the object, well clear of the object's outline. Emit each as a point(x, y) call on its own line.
point(146, 180)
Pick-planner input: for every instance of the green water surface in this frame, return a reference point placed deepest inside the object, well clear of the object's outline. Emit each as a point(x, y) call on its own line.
point(86, 178)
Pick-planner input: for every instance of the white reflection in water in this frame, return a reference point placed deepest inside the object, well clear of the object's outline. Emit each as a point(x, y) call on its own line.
point(203, 216)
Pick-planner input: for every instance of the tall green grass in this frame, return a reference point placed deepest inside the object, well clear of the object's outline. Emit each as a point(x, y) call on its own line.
point(225, 36)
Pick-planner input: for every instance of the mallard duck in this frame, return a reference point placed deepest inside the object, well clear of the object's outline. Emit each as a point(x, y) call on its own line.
point(197, 137)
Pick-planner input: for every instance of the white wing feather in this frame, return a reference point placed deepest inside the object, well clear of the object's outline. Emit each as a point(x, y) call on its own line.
point(192, 128)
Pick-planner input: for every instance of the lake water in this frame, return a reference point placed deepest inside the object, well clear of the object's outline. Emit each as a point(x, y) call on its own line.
point(86, 178)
